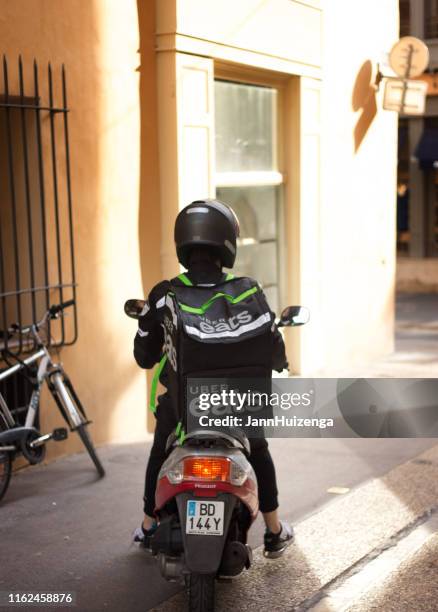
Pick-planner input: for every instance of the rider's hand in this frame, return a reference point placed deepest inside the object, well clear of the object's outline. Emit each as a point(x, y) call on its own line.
point(150, 319)
point(157, 295)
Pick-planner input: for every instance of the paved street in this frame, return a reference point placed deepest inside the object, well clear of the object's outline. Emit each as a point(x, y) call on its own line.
point(342, 536)
point(61, 529)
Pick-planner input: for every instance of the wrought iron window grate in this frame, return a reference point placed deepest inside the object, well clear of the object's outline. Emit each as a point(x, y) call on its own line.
point(37, 266)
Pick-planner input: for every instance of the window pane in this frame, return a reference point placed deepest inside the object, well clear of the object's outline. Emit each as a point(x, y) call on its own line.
point(257, 251)
point(245, 117)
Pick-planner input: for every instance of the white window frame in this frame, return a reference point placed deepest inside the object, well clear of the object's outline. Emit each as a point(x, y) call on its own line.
point(274, 178)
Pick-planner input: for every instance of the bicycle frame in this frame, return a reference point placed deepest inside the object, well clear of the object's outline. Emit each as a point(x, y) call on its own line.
point(43, 369)
point(4, 409)
point(26, 438)
point(33, 405)
point(9, 421)
point(34, 402)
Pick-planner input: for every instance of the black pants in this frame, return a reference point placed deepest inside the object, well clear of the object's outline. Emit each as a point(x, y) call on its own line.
point(260, 460)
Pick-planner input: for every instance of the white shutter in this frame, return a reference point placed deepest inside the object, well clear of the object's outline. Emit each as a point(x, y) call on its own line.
point(195, 111)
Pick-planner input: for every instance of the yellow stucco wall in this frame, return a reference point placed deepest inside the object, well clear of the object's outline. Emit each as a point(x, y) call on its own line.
point(126, 69)
point(115, 204)
point(358, 181)
point(275, 28)
point(339, 159)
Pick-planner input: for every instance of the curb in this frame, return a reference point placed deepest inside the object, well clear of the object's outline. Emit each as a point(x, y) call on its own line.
point(333, 540)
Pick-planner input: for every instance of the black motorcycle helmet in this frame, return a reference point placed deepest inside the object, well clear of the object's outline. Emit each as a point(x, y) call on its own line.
point(210, 223)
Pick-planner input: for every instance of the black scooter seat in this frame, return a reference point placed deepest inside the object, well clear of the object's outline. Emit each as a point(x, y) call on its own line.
point(234, 439)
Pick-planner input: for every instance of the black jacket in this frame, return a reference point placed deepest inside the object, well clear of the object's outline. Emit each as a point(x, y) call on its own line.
point(148, 342)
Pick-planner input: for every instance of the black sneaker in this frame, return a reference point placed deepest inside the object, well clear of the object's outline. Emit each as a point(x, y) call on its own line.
point(276, 543)
point(141, 535)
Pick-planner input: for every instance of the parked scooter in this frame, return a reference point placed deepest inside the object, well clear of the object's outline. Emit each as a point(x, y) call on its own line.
point(206, 500)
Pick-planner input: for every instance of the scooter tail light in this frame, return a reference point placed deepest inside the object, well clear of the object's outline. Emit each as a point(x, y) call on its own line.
point(207, 468)
point(213, 469)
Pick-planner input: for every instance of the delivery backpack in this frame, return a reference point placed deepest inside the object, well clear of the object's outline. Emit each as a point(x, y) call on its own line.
point(221, 331)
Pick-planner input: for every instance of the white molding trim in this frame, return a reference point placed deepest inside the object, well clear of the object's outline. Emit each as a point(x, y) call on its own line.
point(249, 179)
point(166, 42)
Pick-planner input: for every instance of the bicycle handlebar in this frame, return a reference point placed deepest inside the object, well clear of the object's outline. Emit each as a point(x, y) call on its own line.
point(54, 310)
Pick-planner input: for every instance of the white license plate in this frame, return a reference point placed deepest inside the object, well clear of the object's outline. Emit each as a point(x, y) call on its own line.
point(205, 518)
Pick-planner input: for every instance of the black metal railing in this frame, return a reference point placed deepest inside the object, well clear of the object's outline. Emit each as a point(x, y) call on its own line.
point(37, 266)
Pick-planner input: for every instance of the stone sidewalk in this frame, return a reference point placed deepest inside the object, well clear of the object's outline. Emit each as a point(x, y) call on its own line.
point(412, 586)
point(346, 534)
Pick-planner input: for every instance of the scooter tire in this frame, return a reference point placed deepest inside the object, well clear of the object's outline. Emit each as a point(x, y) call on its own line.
point(201, 592)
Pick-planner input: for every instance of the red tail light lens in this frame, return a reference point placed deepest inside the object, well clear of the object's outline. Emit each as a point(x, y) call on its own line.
point(207, 468)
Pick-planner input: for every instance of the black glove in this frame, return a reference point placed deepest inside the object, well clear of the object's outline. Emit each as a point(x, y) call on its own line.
point(157, 294)
point(151, 319)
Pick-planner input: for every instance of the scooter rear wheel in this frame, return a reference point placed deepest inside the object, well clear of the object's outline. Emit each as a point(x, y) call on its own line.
point(201, 592)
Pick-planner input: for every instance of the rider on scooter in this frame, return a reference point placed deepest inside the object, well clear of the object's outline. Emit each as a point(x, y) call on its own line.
point(204, 244)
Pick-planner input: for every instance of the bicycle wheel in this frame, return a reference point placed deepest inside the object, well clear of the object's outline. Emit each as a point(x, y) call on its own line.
point(73, 412)
point(5, 465)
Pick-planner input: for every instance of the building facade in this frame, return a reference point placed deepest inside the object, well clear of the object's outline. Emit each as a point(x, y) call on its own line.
point(417, 218)
point(268, 106)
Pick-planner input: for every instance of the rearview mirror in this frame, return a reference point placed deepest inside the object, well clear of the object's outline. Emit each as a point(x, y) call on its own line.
point(292, 316)
point(135, 308)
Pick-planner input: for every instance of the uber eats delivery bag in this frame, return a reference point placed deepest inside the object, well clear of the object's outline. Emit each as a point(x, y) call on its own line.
point(215, 332)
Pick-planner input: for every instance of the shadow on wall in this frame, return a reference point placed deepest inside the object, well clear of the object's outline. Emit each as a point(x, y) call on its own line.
point(364, 99)
point(149, 217)
point(80, 40)
point(72, 42)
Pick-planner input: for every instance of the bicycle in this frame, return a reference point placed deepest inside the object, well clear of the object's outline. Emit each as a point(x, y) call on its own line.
point(40, 368)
